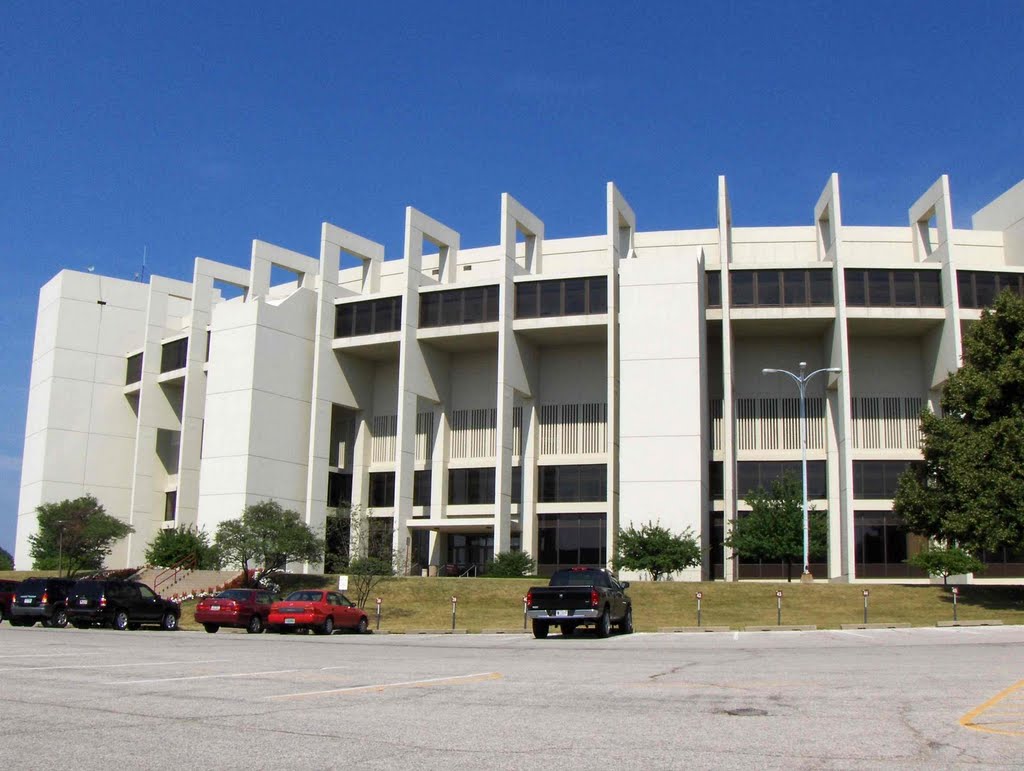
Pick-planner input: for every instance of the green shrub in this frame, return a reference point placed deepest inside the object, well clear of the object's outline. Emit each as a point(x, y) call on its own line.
point(511, 564)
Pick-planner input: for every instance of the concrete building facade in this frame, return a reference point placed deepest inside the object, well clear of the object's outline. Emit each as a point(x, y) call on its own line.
point(537, 394)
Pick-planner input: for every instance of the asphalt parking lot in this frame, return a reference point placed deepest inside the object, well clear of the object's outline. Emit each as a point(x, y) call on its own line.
point(825, 699)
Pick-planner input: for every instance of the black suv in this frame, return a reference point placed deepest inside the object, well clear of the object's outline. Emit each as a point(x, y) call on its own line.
point(119, 605)
point(7, 588)
point(41, 599)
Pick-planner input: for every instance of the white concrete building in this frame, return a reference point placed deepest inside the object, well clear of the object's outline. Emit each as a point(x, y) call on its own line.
point(534, 394)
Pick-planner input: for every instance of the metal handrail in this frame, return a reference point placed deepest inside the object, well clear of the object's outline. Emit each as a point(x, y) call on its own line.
point(185, 565)
point(468, 571)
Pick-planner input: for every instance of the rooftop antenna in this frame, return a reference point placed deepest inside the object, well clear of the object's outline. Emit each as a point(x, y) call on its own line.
point(141, 275)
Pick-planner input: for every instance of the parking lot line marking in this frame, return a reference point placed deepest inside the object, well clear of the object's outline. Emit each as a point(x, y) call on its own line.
point(51, 655)
point(455, 680)
point(853, 634)
point(112, 666)
point(203, 677)
point(968, 720)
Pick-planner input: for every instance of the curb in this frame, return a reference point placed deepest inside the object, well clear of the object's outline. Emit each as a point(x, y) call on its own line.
point(782, 628)
point(436, 631)
point(504, 631)
point(878, 625)
point(695, 629)
point(979, 622)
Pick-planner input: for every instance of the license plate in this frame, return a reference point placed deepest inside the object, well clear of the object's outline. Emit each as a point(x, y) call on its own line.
point(27, 600)
point(215, 607)
point(289, 621)
point(561, 613)
point(83, 601)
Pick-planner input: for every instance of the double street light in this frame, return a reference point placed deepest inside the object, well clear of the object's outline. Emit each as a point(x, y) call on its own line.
point(801, 383)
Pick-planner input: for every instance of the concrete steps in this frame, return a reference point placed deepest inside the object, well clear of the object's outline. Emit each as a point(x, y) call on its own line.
point(189, 582)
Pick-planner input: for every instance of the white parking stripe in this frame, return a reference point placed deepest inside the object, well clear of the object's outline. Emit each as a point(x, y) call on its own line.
point(52, 655)
point(203, 677)
point(112, 666)
point(454, 680)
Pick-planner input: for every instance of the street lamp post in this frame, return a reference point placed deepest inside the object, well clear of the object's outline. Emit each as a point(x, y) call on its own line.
point(801, 384)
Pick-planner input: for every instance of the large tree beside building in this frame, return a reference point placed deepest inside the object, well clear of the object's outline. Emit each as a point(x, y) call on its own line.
point(265, 539)
point(969, 491)
point(774, 529)
point(74, 535)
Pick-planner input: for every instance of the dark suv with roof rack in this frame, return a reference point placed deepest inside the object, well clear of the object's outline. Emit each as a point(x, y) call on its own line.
point(41, 599)
point(120, 605)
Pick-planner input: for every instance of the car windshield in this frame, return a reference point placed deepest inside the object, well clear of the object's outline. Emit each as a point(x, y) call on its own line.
point(234, 594)
point(304, 597)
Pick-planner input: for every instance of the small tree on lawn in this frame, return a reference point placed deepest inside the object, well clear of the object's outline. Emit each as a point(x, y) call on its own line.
point(170, 547)
point(267, 537)
point(946, 562)
point(6, 560)
point(773, 530)
point(656, 550)
point(74, 535)
point(511, 564)
point(360, 546)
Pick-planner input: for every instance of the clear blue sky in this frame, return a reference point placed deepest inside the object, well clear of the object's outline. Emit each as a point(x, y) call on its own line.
point(191, 129)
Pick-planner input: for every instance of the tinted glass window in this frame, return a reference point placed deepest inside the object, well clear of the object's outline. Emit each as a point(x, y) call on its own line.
point(382, 488)
point(421, 488)
point(575, 296)
point(855, 287)
point(904, 289)
point(240, 595)
point(929, 283)
point(820, 286)
point(551, 298)
point(794, 287)
point(146, 592)
point(742, 283)
point(984, 289)
point(598, 289)
point(768, 287)
point(878, 287)
point(526, 300)
point(713, 279)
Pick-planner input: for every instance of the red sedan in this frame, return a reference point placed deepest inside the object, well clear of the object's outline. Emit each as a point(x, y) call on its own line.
point(319, 610)
point(244, 608)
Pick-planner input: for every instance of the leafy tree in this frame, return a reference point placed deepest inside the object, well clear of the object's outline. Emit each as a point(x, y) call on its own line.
point(74, 535)
point(656, 549)
point(946, 562)
point(774, 528)
point(970, 489)
point(267, 537)
point(511, 564)
point(6, 560)
point(352, 532)
point(365, 574)
point(170, 547)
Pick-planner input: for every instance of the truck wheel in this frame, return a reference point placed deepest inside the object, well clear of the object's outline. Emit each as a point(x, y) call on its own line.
point(568, 629)
point(626, 625)
point(604, 626)
point(540, 629)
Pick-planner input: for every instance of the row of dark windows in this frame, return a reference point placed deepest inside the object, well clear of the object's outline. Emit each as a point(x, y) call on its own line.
point(871, 478)
point(893, 288)
point(779, 288)
point(878, 478)
point(561, 297)
point(471, 486)
point(979, 289)
point(753, 569)
point(368, 317)
point(173, 355)
point(450, 307)
point(882, 545)
point(568, 540)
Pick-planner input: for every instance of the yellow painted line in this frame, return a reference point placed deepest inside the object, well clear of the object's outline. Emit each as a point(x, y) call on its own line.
point(968, 720)
point(456, 680)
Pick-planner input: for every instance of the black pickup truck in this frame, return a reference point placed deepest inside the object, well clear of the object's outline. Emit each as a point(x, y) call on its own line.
point(580, 596)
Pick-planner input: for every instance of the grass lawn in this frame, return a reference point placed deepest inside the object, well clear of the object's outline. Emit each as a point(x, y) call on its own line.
point(497, 603)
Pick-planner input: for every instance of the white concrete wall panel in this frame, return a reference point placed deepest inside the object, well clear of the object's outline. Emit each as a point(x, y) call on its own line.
point(576, 374)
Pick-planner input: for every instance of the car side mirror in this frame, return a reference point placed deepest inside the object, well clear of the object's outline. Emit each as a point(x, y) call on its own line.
point(625, 584)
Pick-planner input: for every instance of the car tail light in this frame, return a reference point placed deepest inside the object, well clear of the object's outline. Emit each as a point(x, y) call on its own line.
point(44, 599)
point(595, 600)
point(529, 598)
point(103, 601)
